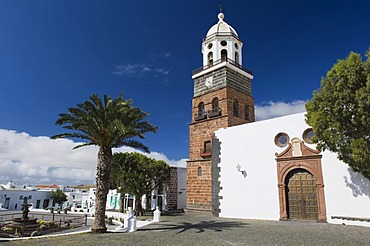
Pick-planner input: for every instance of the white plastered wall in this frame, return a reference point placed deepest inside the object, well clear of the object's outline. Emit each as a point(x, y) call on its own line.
point(255, 195)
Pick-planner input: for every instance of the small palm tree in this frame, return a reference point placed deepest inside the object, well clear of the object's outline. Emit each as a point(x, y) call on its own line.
point(108, 124)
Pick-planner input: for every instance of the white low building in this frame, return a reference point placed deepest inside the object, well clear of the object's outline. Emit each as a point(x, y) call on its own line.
point(271, 170)
point(12, 197)
point(82, 199)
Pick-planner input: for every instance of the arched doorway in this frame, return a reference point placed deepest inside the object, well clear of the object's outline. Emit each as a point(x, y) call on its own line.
point(301, 195)
point(300, 181)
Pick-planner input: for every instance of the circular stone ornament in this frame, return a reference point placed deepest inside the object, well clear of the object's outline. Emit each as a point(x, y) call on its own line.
point(307, 135)
point(281, 139)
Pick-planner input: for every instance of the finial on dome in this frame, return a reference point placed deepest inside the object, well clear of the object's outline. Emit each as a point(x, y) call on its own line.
point(220, 17)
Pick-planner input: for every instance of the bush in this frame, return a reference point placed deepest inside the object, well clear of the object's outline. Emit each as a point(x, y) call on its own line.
point(7, 229)
point(41, 222)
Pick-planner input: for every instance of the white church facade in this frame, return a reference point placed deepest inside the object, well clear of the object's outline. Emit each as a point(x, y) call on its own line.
point(271, 170)
point(266, 170)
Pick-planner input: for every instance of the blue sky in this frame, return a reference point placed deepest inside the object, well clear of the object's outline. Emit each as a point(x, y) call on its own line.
point(55, 54)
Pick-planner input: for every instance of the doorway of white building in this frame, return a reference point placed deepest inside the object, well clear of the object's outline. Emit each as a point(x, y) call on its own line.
point(301, 195)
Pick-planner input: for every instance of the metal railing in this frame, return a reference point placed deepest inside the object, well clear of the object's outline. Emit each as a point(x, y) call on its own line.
point(200, 116)
point(210, 113)
point(205, 152)
point(214, 112)
point(228, 60)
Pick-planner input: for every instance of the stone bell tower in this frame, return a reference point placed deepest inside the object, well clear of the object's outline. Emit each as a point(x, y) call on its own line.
point(222, 98)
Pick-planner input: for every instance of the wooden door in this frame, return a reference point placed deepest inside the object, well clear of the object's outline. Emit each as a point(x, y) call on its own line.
point(301, 196)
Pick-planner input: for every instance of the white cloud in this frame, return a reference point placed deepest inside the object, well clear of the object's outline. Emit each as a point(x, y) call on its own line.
point(40, 160)
point(275, 109)
point(140, 70)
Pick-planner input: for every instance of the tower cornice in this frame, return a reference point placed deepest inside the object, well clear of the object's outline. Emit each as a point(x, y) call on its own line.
point(227, 63)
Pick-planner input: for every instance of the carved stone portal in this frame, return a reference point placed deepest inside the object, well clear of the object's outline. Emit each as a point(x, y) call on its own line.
point(297, 157)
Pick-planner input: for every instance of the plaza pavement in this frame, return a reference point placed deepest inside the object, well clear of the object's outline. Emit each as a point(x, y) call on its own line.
point(195, 229)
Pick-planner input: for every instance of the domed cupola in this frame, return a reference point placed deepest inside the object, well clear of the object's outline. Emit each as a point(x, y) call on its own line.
point(221, 44)
point(221, 27)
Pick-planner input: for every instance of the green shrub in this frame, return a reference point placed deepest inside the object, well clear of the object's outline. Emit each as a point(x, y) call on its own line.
point(7, 229)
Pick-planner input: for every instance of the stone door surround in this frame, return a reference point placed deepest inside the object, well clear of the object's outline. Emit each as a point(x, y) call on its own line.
point(298, 156)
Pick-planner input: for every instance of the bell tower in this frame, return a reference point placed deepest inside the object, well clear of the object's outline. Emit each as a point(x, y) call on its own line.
point(222, 98)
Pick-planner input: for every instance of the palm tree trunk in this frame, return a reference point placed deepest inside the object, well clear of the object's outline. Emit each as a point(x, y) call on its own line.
point(122, 198)
point(122, 195)
point(102, 188)
point(148, 201)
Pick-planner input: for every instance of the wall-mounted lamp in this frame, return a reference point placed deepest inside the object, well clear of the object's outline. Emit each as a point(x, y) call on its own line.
point(238, 167)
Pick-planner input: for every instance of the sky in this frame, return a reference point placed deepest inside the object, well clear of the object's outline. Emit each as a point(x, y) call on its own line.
point(55, 54)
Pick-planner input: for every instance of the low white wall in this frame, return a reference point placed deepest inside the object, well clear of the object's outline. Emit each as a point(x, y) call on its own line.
point(347, 193)
point(255, 195)
point(115, 215)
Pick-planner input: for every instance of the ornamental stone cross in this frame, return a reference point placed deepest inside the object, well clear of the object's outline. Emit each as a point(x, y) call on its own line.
point(25, 209)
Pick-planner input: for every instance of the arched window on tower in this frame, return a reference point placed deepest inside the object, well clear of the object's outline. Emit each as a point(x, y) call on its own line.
point(246, 112)
point(210, 58)
point(237, 57)
point(200, 172)
point(215, 108)
point(236, 108)
point(223, 55)
point(201, 112)
point(215, 103)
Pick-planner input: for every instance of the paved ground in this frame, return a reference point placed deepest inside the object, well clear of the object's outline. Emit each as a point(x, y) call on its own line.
point(187, 229)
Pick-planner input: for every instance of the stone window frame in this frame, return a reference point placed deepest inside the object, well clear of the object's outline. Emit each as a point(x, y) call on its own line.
point(201, 109)
point(210, 58)
point(305, 136)
point(224, 55)
point(199, 172)
point(236, 57)
point(215, 103)
point(278, 136)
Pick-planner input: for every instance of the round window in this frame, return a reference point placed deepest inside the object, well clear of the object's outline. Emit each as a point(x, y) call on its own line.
point(210, 45)
point(236, 46)
point(281, 139)
point(308, 135)
point(223, 43)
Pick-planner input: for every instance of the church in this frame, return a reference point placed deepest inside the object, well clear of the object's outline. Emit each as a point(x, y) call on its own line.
point(269, 170)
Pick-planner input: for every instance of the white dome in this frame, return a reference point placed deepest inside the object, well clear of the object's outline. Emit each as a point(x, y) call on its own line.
point(221, 26)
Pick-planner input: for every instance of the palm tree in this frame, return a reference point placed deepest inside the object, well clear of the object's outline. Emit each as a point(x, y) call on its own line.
point(108, 124)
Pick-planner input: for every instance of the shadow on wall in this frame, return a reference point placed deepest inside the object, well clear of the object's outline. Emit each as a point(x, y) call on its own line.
point(359, 184)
